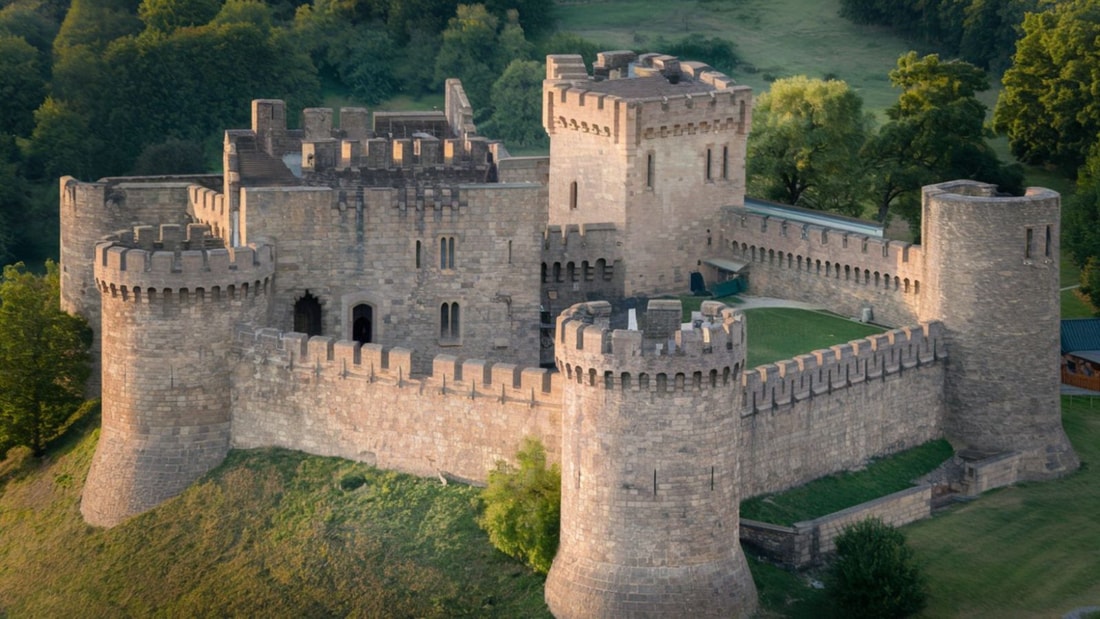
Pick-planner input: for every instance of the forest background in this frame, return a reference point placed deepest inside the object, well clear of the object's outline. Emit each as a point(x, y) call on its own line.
point(97, 88)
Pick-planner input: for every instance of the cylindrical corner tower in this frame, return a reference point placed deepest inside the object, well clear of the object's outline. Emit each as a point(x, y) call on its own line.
point(650, 477)
point(168, 314)
point(991, 277)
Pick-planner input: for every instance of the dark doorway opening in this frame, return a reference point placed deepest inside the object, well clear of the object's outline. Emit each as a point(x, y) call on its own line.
point(307, 315)
point(362, 324)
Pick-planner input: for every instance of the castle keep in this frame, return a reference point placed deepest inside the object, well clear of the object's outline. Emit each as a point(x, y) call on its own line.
point(396, 289)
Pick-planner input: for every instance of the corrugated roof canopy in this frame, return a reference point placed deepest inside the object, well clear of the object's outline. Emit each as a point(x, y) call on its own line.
point(1080, 334)
point(733, 266)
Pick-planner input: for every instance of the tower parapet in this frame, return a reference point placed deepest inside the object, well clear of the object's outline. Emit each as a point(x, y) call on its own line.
point(649, 509)
point(170, 301)
point(991, 265)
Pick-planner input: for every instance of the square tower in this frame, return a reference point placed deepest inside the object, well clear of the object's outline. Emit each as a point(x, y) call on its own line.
point(652, 145)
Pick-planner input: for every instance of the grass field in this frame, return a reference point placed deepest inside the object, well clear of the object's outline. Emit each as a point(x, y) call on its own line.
point(775, 38)
point(777, 333)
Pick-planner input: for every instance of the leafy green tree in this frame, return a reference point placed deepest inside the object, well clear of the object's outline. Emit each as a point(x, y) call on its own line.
point(805, 142)
point(469, 52)
point(44, 359)
point(715, 51)
point(875, 574)
point(522, 507)
point(1050, 104)
point(936, 133)
point(21, 85)
point(169, 15)
point(95, 23)
point(1081, 221)
point(171, 157)
point(517, 106)
point(61, 143)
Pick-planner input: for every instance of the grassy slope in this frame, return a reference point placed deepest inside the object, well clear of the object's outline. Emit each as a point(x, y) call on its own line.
point(269, 533)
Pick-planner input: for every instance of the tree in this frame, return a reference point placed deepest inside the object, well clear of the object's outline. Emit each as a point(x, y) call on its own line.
point(1081, 212)
point(936, 133)
point(805, 142)
point(469, 52)
point(61, 142)
point(21, 85)
point(44, 359)
point(171, 157)
point(517, 106)
point(169, 15)
point(1050, 104)
point(522, 507)
point(875, 574)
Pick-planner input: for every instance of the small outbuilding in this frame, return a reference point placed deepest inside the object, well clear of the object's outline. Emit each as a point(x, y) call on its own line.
point(1081, 353)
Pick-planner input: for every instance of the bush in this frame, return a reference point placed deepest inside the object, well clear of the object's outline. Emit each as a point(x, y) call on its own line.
point(522, 507)
point(875, 574)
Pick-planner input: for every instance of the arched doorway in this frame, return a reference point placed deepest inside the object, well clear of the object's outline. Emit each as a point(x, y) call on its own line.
point(307, 315)
point(362, 323)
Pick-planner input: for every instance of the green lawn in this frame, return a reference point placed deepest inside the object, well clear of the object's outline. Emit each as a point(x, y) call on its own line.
point(1031, 550)
point(777, 333)
point(843, 490)
point(775, 38)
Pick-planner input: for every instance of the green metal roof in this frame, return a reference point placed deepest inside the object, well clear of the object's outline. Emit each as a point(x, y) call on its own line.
point(1080, 334)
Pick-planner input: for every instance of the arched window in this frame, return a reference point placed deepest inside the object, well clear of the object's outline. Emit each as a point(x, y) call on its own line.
point(307, 315)
point(447, 252)
point(449, 321)
point(362, 323)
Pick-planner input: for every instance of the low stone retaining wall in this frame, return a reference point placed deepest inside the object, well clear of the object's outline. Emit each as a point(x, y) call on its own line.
point(807, 543)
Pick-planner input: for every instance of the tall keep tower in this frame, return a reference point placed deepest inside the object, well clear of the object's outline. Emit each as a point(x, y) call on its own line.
point(652, 145)
point(991, 272)
point(169, 306)
point(650, 473)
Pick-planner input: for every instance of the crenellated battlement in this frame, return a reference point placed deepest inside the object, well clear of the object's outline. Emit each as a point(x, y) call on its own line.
point(648, 97)
point(393, 366)
point(823, 371)
point(591, 353)
point(830, 252)
point(170, 259)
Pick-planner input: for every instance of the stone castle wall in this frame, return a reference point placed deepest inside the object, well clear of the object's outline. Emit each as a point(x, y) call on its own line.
point(843, 271)
point(365, 402)
point(384, 247)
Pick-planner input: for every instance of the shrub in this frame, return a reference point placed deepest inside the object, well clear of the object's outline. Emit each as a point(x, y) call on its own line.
point(522, 507)
point(875, 574)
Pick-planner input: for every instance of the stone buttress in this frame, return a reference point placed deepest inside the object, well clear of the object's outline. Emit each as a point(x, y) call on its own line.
point(650, 478)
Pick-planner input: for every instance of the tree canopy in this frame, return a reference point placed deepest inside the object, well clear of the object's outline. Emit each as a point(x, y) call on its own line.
point(805, 142)
point(44, 359)
point(1050, 104)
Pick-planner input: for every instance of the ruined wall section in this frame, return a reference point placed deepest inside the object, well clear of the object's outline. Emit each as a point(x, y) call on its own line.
point(832, 410)
point(406, 253)
point(650, 480)
point(843, 271)
point(993, 279)
point(168, 319)
point(366, 403)
point(657, 155)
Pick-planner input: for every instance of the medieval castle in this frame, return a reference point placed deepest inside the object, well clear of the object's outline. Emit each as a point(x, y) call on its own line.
point(385, 287)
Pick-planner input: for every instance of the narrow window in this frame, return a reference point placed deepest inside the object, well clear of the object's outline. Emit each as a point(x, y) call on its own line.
point(362, 323)
point(708, 171)
point(649, 171)
point(725, 163)
point(573, 195)
point(447, 252)
point(1030, 240)
point(418, 254)
point(1046, 250)
point(449, 321)
point(509, 252)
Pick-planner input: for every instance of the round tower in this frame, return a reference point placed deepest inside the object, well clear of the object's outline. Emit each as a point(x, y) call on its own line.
point(991, 277)
point(169, 305)
point(650, 477)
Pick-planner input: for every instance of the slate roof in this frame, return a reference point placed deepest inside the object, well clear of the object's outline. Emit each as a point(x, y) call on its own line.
point(1080, 334)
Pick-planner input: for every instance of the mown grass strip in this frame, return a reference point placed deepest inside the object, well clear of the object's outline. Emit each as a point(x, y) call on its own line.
point(843, 490)
point(776, 333)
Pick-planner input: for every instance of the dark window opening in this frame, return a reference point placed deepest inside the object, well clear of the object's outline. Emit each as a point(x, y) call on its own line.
point(449, 321)
point(649, 171)
point(362, 324)
point(307, 315)
point(573, 195)
point(1028, 243)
